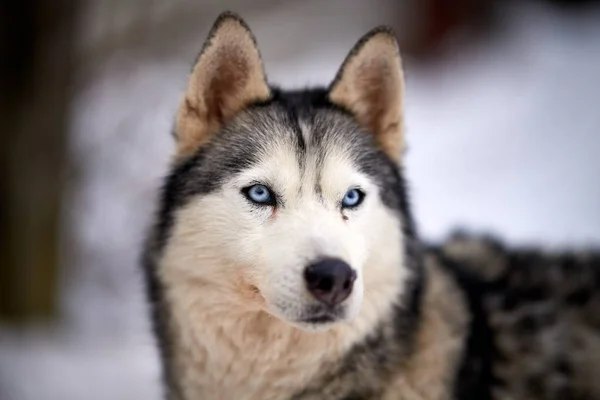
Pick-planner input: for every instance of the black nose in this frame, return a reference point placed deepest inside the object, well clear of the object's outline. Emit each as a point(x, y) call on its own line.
point(330, 280)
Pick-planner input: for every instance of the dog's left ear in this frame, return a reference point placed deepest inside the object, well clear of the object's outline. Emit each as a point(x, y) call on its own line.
point(370, 84)
point(228, 76)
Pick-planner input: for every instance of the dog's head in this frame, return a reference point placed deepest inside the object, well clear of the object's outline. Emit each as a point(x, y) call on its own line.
point(290, 203)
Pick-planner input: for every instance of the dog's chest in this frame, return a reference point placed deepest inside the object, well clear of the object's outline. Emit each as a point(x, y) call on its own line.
point(238, 360)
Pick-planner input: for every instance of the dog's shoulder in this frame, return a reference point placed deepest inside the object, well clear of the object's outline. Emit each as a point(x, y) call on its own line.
point(535, 319)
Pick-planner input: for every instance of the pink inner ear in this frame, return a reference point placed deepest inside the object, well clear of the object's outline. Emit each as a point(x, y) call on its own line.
point(224, 92)
point(376, 92)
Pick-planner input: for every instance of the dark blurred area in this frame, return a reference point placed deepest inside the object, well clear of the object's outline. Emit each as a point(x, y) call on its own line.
point(37, 48)
point(502, 100)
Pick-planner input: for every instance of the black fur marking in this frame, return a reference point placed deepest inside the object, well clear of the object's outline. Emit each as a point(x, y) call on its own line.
point(475, 379)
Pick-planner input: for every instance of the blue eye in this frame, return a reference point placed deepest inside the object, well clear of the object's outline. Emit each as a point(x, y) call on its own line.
point(259, 194)
point(352, 198)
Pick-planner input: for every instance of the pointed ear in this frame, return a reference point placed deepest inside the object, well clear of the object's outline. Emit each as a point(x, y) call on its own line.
point(228, 75)
point(370, 84)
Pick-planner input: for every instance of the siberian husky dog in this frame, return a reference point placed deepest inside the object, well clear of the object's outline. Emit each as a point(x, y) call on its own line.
point(284, 262)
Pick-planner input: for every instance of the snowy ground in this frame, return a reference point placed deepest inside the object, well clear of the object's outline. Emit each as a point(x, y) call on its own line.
point(503, 138)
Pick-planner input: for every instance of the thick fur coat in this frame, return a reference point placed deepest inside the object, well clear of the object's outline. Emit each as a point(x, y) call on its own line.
point(268, 186)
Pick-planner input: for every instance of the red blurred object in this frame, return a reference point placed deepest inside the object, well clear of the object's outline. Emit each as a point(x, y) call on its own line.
point(441, 19)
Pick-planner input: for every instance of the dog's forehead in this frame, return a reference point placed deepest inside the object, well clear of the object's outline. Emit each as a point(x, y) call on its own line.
point(309, 133)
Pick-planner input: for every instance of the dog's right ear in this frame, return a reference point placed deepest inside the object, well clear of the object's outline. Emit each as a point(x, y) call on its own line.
point(228, 76)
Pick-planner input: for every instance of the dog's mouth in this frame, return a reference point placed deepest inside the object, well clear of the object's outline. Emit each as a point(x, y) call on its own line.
point(320, 319)
point(322, 315)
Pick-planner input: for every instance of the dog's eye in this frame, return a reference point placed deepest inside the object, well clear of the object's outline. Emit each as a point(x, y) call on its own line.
point(259, 194)
point(353, 198)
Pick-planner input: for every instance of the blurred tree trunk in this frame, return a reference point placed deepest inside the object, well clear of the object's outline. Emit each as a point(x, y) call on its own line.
point(36, 70)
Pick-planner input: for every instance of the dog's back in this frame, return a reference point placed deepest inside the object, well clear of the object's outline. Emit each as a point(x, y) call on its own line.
point(535, 320)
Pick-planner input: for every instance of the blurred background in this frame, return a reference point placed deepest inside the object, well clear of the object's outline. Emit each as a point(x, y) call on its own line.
point(503, 125)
